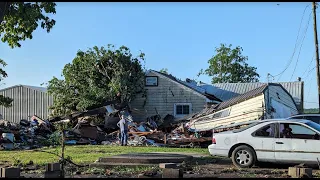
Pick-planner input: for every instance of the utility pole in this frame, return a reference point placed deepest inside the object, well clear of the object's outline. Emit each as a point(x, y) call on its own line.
point(317, 50)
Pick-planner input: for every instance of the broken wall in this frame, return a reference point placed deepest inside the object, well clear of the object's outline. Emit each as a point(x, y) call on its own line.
point(250, 109)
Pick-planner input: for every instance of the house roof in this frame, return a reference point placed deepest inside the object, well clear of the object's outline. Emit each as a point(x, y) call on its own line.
point(189, 86)
point(42, 89)
point(240, 98)
point(226, 91)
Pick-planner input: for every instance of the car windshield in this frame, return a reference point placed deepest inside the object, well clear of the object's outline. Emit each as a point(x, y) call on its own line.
point(246, 127)
point(314, 125)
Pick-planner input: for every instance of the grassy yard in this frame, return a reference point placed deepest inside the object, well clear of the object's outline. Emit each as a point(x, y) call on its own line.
point(86, 153)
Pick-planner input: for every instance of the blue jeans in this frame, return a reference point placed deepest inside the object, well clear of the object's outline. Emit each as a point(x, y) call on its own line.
point(123, 137)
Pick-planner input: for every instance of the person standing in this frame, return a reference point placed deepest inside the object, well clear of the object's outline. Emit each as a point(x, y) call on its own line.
point(123, 125)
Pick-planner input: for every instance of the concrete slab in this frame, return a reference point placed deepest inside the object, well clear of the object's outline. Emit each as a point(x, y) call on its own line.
point(146, 158)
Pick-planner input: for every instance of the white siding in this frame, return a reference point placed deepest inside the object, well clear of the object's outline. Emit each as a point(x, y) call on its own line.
point(163, 97)
point(250, 109)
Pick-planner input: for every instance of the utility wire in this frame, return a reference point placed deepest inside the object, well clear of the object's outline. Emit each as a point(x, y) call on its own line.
point(294, 50)
point(308, 65)
point(310, 71)
point(305, 33)
point(309, 88)
point(310, 102)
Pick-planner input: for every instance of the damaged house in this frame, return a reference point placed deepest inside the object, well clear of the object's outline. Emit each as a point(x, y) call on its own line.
point(167, 95)
point(265, 102)
point(226, 91)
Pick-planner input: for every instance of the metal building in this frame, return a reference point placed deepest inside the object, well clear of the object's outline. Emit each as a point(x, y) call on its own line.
point(27, 101)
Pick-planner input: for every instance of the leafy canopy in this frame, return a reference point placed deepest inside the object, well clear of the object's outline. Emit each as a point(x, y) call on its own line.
point(18, 20)
point(164, 70)
point(229, 66)
point(4, 101)
point(96, 76)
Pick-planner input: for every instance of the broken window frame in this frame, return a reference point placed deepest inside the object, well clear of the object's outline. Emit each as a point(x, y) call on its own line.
point(221, 114)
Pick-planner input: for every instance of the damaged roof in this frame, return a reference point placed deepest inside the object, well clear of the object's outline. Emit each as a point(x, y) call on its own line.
point(243, 97)
point(226, 91)
point(185, 84)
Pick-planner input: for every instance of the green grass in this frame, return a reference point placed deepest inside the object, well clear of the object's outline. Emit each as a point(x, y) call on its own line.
point(85, 154)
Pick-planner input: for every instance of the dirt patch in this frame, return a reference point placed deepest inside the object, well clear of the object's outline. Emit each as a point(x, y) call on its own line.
point(202, 167)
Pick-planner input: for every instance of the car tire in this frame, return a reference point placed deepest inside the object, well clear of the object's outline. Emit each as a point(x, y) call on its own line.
point(243, 157)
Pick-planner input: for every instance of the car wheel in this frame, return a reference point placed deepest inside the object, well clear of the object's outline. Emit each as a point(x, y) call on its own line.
point(243, 157)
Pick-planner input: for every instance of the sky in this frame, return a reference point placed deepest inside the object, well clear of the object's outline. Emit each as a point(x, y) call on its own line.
point(181, 37)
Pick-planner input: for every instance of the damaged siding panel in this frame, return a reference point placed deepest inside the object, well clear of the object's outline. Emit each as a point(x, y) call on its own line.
point(277, 93)
point(226, 91)
point(296, 91)
point(250, 109)
point(26, 102)
point(243, 97)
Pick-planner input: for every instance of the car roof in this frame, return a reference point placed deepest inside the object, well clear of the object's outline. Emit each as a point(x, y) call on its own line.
point(305, 115)
point(286, 120)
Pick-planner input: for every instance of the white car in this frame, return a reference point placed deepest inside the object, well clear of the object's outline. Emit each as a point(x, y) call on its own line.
point(269, 141)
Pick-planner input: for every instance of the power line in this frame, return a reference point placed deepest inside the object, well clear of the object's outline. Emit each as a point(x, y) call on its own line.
point(305, 32)
point(310, 102)
point(309, 87)
point(310, 71)
point(295, 46)
point(308, 65)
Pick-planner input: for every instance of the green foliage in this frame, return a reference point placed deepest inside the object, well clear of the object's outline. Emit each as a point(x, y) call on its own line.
point(53, 140)
point(164, 70)
point(311, 111)
point(229, 66)
point(97, 76)
point(20, 19)
point(4, 101)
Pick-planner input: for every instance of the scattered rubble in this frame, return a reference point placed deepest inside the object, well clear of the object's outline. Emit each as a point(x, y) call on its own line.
point(154, 131)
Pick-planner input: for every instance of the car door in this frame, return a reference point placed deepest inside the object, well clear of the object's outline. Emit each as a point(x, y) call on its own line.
point(263, 142)
point(282, 146)
point(300, 148)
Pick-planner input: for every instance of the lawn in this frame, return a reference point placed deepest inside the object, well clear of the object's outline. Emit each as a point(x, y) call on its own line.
point(85, 154)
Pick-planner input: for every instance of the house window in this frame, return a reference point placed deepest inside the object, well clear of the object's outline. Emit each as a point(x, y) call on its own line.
point(182, 109)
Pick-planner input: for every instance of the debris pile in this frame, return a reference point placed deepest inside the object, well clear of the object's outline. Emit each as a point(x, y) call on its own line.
point(28, 134)
point(154, 131)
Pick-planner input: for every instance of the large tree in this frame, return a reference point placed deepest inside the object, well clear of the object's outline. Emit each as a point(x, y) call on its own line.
point(164, 70)
point(4, 101)
point(96, 76)
point(230, 66)
point(18, 20)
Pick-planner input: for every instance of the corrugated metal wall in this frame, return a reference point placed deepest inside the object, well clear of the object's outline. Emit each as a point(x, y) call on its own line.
point(26, 102)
